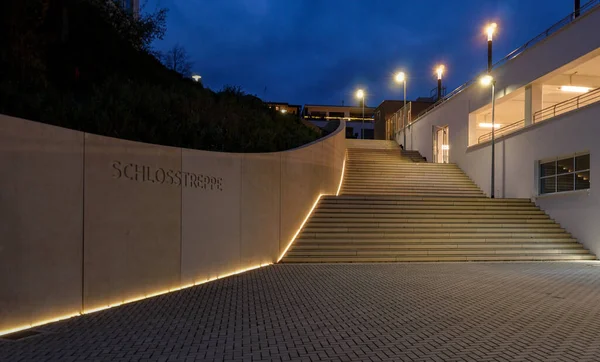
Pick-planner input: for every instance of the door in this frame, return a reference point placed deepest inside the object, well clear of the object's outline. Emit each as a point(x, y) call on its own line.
point(441, 146)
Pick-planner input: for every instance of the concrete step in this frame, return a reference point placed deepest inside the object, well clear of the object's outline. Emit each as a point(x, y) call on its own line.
point(457, 251)
point(349, 240)
point(319, 220)
point(452, 223)
point(434, 245)
point(425, 234)
point(393, 208)
point(440, 258)
point(383, 218)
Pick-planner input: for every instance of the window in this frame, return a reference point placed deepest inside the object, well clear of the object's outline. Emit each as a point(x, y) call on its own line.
point(565, 174)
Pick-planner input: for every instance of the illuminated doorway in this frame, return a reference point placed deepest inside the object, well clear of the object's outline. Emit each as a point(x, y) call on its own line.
point(441, 147)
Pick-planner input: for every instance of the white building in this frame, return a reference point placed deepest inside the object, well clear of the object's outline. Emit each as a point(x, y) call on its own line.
point(548, 110)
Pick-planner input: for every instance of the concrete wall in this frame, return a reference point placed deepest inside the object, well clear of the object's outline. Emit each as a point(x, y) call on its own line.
point(90, 221)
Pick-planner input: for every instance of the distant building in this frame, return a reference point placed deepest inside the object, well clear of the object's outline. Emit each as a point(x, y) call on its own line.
point(382, 117)
point(285, 107)
point(321, 115)
point(395, 122)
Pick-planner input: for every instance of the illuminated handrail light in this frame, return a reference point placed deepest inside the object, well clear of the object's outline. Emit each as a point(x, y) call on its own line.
point(343, 170)
point(574, 89)
point(489, 125)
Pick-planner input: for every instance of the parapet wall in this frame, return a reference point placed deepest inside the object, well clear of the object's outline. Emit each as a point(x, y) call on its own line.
point(88, 221)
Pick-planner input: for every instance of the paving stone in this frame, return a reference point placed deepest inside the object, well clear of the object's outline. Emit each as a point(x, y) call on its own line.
point(347, 312)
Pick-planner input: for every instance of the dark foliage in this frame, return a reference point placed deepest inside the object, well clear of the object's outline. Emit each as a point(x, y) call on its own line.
point(86, 65)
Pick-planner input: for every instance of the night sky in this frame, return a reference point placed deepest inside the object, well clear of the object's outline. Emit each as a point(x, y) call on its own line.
point(321, 51)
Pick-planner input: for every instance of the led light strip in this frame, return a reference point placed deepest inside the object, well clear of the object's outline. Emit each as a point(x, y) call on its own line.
point(94, 310)
point(342, 177)
point(89, 311)
point(313, 208)
point(301, 226)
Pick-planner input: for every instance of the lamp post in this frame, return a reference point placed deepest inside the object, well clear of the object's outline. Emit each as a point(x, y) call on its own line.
point(487, 80)
point(440, 71)
point(360, 94)
point(490, 30)
point(401, 78)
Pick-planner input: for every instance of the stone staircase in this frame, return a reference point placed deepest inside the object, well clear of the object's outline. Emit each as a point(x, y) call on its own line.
point(391, 209)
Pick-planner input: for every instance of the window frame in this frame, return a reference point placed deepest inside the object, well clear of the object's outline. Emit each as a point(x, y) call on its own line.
point(557, 174)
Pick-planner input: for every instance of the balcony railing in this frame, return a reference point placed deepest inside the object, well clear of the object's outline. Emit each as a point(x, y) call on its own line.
point(567, 106)
point(589, 6)
point(502, 131)
point(547, 113)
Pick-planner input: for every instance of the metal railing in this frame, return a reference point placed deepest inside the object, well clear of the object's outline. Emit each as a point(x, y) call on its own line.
point(547, 113)
point(543, 35)
point(502, 131)
point(567, 106)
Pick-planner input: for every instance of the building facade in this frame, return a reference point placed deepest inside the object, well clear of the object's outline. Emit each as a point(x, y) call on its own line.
point(321, 115)
point(389, 119)
point(285, 107)
point(382, 114)
point(546, 126)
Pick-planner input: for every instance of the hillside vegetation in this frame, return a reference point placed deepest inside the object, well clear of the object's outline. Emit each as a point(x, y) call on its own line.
point(86, 65)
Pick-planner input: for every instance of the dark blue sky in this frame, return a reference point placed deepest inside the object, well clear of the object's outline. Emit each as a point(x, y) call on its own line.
point(320, 51)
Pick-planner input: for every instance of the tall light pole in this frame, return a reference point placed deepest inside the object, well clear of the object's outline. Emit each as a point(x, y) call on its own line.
point(490, 30)
point(440, 71)
point(360, 94)
point(401, 78)
point(489, 80)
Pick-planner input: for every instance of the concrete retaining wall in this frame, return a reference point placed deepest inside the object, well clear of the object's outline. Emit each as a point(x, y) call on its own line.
point(88, 221)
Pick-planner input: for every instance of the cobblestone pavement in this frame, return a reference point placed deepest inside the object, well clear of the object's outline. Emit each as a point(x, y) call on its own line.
point(347, 312)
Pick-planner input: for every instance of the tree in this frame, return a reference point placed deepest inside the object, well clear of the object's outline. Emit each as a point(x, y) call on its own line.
point(141, 30)
point(178, 60)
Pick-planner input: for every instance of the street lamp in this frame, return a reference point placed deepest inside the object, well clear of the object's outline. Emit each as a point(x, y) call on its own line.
point(440, 71)
point(486, 81)
point(401, 78)
point(490, 30)
point(196, 77)
point(360, 94)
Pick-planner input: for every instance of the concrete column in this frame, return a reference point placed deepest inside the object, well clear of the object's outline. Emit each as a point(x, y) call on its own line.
point(533, 102)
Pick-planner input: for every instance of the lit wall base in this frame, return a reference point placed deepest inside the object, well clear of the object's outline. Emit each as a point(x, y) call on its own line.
point(155, 294)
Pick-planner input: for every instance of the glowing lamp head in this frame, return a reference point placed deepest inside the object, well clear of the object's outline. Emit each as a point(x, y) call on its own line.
point(284, 111)
point(196, 77)
point(486, 80)
point(360, 94)
point(490, 30)
point(440, 71)
point(400, 77)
